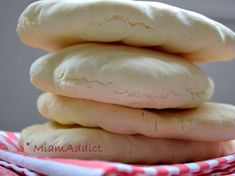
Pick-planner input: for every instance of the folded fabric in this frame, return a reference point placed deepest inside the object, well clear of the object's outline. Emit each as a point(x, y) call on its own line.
point(44, 24)
point(29, 165)
point(15, 169)
point(122, 75)
point(190, 124)
point(6, 172)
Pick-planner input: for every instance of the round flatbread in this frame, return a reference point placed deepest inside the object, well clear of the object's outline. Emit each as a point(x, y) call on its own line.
point(122, 75)
point(209, 122)
point(54, 140)
point(53, 25)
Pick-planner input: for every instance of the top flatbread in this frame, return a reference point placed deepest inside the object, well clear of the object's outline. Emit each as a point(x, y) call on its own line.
point(52, 25)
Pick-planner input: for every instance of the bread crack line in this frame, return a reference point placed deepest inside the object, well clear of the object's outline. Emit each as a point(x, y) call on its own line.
point(125, 20)
point(81, 80)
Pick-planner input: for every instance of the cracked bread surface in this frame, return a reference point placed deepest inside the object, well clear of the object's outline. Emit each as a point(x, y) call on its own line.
point(123, 75)
point(52, 25)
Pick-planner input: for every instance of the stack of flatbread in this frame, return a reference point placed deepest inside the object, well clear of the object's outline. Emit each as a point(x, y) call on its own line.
point(121, 83)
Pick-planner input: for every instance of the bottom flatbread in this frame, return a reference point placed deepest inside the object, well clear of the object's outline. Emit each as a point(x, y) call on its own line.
point(74, 142)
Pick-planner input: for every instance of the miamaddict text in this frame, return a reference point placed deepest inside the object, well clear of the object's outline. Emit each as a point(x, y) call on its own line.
point(87, 147)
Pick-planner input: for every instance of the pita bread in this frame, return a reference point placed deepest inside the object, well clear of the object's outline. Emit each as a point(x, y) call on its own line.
point(122, 75)
point(209, 122)
point(101, 145)
point(56, 24)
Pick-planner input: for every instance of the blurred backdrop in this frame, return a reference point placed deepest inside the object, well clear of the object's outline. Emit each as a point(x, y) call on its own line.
point(18, 96)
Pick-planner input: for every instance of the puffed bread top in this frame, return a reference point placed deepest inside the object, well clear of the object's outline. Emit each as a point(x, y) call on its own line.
point(123, 75)
point(56, 24)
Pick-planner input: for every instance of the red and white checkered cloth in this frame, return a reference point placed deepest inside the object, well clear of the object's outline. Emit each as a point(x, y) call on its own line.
point(14, 162)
